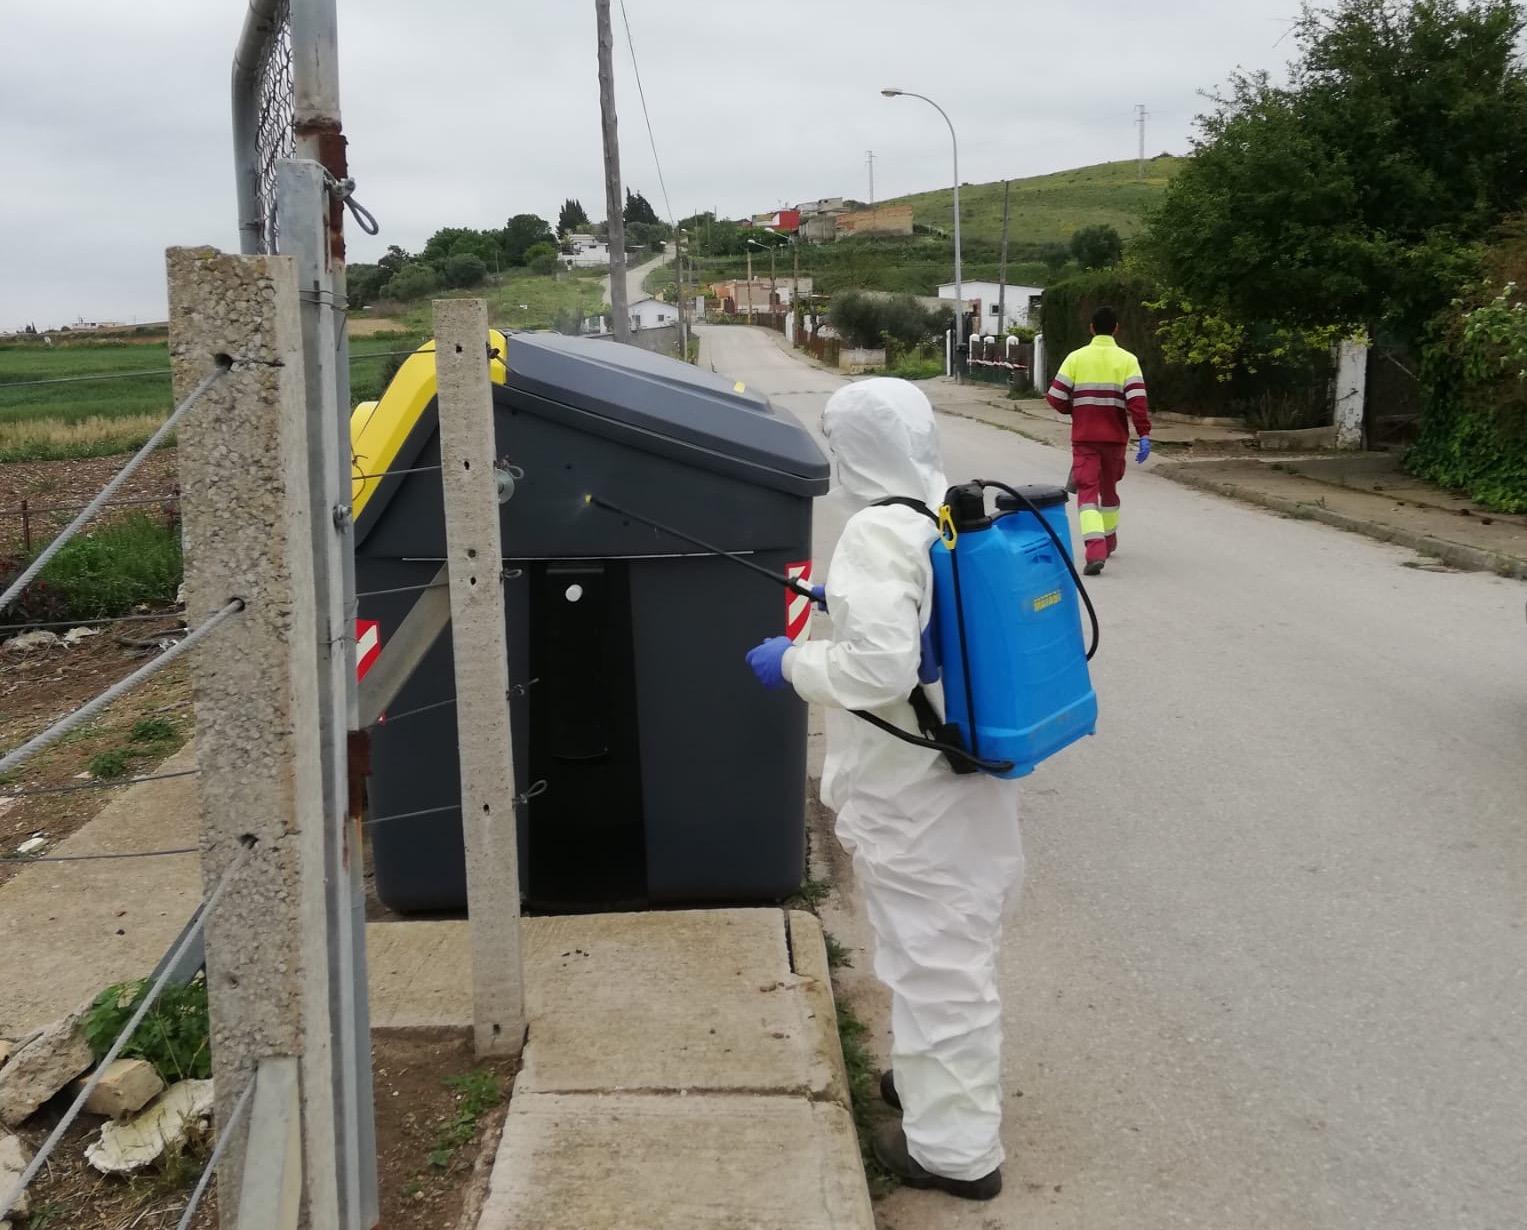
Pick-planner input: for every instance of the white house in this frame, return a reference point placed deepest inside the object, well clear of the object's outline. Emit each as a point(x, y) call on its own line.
point(982, 297)
point(652, 313)
point(587, 252)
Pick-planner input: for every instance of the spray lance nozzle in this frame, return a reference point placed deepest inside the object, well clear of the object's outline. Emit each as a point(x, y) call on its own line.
point(789, 583)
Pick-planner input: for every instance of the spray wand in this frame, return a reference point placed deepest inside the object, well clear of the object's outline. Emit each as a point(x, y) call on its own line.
point(789, 583)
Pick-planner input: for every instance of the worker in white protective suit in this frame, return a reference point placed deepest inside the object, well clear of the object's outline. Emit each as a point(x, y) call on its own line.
point(938, 856)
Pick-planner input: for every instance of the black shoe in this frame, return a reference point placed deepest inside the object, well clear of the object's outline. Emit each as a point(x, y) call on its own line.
point(891, 1152)
point(888, 1093)
point(1094, 566)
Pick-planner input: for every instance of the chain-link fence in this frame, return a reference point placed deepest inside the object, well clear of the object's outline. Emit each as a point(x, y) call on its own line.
point(264, 108)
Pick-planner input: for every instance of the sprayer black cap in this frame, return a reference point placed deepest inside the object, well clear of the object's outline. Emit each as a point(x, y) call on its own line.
point(1040, 495)
point(967, 505)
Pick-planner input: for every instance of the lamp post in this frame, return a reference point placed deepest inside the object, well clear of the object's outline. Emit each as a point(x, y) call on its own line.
point(959, 289)
point(773, 292)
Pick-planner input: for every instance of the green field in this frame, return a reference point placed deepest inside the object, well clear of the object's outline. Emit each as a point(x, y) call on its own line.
point(98, 418)
point(1050, 208)
point(515, 301)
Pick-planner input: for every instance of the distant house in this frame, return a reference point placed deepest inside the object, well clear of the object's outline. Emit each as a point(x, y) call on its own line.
point(786, 221)
point(587, 252)
point(981, 297)
point(741, 298)
point(652, 313)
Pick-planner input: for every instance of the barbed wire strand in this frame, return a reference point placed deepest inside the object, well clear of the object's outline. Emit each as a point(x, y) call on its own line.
point(104, 784)
point(88, 710)
point(94, 858)
point(389, 718)
point(110, 489)
point(403, 589)
point(356, 478)
point(150, 997)
point(535, 791)
point(223, 1137)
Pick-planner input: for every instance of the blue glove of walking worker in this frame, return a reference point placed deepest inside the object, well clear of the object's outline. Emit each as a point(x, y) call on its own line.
point(1145, 449)
point(767, 661)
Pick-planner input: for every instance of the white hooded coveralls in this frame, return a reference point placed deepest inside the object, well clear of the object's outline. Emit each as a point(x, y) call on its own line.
point(938, 856)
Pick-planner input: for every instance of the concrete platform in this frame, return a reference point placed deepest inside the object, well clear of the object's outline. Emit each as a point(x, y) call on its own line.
point(579, 1162)
point(677, 1065)
point(70, 929)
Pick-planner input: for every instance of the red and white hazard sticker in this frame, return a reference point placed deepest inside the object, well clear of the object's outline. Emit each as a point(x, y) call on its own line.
point(368, 645)
point(798, 607)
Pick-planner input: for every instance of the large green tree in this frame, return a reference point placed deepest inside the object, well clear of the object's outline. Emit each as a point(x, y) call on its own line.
point(571, 217)
point(521, 233)
point(1357, 192)
point(638, 209)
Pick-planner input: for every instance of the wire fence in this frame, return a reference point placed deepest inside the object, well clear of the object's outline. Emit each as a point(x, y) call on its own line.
point(150, 997)
point(274, 138)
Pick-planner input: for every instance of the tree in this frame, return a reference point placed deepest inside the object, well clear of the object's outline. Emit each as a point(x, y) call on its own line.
point(1097, 247)
point(521, 233)
point(363, 284)
point(638, 209)
point(1356, 195)
point(571, 217)
point(394, 261)
point(413, 281)
point(541, 258)
point(465, 269)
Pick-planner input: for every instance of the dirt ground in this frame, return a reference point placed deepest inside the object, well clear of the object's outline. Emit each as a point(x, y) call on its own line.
point(69, 485)
point(41, 685)
point(433, 1164)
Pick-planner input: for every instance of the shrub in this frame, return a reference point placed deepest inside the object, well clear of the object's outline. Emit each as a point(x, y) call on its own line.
point(413, 281)
point(542, 259)
point(1097, 247)
point(871, 321)
point(465, 269)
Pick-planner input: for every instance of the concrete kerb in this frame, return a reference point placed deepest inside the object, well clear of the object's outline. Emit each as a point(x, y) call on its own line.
point(1456, 555)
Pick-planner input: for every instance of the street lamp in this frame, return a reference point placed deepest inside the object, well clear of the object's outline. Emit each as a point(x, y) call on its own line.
point(959, 289)
point(773, 294)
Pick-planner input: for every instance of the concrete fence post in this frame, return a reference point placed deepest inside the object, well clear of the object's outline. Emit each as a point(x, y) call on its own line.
point(243, 468)
point(1351, 392)
point(1037, 373)
point(474, 556)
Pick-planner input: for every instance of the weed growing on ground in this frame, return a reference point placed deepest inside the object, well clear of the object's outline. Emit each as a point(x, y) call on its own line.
point(173, 1036)
point(476, 1093)
point(864, 1091)
point(810, 895)
point(108, 764)
point(837, 952)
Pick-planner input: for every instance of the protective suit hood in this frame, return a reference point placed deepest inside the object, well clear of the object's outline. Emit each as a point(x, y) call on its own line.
point(884, 442)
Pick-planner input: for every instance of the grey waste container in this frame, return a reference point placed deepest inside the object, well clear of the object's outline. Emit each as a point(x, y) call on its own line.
point(669, 775)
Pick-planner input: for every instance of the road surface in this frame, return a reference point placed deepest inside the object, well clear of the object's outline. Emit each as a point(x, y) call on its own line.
point(634, 277)
point(1270, 967)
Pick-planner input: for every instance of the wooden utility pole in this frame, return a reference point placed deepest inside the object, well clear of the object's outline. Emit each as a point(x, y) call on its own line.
point(1007, 185)
point(614, 202)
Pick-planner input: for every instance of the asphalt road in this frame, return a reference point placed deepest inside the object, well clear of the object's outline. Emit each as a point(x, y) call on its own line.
point(1270, 968)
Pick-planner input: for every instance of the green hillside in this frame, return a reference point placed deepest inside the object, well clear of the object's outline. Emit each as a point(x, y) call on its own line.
point(1049, 208)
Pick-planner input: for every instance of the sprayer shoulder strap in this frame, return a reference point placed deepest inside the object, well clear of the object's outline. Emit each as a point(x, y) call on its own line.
point(906, 501)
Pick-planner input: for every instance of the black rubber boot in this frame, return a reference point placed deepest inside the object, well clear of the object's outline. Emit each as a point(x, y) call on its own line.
point(1094, 566)
point(891, 1152)
point(888, 1093)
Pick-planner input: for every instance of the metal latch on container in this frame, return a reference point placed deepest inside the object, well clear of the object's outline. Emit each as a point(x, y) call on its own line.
point(505, 475)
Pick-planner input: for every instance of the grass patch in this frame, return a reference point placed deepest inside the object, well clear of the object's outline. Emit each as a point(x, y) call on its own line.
point(864, 1090)
point(837, 952)
point(44, 439)
point(174, 1036)
point(810, 895)
point(107, 572)
point(515, 301)
point(108, 765)
point(476, 1093)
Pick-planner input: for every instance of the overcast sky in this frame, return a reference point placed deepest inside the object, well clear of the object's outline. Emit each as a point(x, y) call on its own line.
point(115, 142)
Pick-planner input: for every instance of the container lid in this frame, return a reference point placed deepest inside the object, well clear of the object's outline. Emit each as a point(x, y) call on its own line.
point(714, 419)
point(1040, 495)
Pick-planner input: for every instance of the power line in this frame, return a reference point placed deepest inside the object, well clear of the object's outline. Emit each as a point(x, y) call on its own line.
point(642, 94)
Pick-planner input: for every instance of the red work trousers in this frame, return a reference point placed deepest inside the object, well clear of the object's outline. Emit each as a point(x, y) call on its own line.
point(1096, 470)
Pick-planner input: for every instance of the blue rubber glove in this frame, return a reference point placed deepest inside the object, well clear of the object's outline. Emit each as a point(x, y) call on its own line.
point(1145, 449)
point(819, 596)
point(767, 661)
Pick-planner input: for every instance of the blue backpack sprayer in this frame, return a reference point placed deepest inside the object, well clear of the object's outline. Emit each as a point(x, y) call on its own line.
point(1006, 629)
